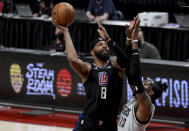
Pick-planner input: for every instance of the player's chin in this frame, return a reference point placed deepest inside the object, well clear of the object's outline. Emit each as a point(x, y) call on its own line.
point(106, 54)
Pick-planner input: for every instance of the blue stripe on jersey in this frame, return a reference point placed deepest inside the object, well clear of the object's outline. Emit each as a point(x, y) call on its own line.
point(78, 121)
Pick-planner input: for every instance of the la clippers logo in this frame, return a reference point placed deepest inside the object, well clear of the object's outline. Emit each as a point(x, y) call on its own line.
point(103, 78)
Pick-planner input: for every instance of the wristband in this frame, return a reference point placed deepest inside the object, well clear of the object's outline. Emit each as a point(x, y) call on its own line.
point(128, 38)
point(135, 52)
point(134, 41)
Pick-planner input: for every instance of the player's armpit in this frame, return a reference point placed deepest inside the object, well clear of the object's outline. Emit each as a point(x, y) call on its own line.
point(80, 67)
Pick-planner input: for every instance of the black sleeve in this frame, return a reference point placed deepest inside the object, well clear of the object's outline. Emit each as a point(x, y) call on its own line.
point(135, 63)
point(135, 72)
point(122, 58)
point(128, 50)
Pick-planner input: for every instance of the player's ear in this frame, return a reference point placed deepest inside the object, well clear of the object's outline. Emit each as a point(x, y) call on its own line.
point(92, 52)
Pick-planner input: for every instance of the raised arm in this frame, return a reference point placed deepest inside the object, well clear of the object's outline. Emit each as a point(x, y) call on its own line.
point(128, 50)
point(121, 60)
point(81, 67)
point(143, 111)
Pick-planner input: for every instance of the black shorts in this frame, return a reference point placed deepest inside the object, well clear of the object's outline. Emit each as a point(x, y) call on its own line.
point(87, 124)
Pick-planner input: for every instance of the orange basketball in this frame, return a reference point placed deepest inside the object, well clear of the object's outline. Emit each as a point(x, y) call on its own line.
point(63, 13)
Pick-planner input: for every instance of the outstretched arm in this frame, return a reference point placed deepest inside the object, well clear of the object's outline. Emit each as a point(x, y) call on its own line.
point(128, 49)
point(82, 68)
point(143, 111)
point(121, 60)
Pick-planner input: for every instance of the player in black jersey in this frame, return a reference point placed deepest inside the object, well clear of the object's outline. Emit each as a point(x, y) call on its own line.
point(102, 81)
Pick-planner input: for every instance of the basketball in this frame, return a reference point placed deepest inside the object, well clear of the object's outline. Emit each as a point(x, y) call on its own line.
point(63, 13)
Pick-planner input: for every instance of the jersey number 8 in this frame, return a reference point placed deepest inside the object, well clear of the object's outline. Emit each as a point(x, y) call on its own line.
point(103, 92)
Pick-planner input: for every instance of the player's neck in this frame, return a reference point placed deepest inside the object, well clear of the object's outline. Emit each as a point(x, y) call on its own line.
point(100, 63)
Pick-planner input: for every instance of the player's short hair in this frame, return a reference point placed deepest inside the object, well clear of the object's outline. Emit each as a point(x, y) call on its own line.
point(157, 87)
point(94, 42)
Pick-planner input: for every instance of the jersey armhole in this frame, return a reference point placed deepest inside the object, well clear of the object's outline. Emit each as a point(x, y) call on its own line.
point(88, 75)
point(137, 121)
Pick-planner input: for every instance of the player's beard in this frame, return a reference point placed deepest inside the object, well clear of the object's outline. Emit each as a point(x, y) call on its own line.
point(102, 56)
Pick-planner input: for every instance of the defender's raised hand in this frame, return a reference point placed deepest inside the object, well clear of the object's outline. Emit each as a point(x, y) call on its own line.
point(136, 29)
point(135, 34)
point(129, 29)
point(102, 32)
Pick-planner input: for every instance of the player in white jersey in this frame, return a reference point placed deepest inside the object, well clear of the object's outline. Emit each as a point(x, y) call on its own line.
point(139, 110)
point(129, 121)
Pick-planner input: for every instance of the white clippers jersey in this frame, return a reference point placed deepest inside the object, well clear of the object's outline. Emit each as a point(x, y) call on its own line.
point(127, 119)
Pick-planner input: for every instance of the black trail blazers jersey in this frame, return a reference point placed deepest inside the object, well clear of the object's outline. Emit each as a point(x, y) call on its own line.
point(103, 93)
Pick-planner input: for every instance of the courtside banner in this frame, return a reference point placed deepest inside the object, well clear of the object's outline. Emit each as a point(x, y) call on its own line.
point(40, 78)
